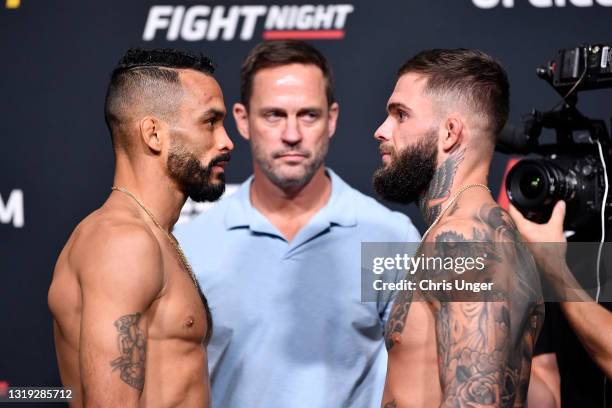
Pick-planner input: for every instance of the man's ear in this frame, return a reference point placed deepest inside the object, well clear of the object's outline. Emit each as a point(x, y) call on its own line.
point(150, 132)
point(453, 133)
point(334, 111)
point(241, 116)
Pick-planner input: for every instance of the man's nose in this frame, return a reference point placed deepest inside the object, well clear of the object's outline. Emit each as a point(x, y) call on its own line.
point(224, 143)
point(383, 133)
point(292, 134)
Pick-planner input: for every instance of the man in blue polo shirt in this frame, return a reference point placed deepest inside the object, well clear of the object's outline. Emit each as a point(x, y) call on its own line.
point(279, 260)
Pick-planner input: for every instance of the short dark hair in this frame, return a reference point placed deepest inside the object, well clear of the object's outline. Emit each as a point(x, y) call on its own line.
point(269, 54)
point(147, 80)
point(471, 75)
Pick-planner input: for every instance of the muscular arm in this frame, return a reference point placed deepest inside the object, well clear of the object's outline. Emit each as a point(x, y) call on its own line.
point(485, 346)
point(593, 325)
point(590, 321)
point(545, 383)
point(120, 275)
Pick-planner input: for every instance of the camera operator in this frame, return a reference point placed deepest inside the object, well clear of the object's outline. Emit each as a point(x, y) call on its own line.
point(590, 321)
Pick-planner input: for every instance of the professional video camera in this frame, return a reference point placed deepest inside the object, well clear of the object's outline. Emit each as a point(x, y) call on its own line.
point(574, 167)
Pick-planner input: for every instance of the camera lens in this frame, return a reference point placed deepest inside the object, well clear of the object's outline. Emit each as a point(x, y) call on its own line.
point(532, 185)
point(535, 185)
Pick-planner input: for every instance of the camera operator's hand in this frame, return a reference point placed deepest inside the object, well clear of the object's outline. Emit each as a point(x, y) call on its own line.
point(547, 256)
point(590, 321)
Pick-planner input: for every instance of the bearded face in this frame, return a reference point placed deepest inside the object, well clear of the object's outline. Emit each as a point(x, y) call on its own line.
point(195, 180)
point(409, 172)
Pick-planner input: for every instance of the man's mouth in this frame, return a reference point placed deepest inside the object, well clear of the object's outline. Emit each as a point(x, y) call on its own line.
point(220, 166)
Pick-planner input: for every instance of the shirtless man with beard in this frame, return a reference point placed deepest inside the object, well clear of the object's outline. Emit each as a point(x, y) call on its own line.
point(130, 321)
point(449, 348)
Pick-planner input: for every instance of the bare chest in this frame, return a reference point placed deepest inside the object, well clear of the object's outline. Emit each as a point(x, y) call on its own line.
point(179, 312)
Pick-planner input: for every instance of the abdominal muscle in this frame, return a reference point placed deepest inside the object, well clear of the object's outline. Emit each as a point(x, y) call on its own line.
point(412, 371)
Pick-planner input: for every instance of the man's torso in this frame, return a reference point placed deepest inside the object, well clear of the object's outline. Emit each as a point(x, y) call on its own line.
point(175, 356)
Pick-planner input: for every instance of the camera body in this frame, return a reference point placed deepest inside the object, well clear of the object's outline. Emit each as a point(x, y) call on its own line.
point(591, 62)
point(534, 186)
point(573, 168)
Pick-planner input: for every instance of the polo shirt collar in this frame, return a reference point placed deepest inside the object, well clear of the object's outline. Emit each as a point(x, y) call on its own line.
point(339, 210)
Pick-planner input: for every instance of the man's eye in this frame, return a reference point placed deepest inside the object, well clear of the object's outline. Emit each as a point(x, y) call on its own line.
point(402, 115)
point(310, 116)
point(272, 116)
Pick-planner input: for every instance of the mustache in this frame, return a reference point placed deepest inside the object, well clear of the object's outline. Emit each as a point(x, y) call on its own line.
point(223, 157)
point(386, 149)
point(301, 152)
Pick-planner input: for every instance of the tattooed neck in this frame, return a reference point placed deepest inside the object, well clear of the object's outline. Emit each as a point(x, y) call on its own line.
point(440, 185)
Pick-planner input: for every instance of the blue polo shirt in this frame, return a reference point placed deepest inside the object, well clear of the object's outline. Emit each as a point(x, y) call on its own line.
point(290, 330)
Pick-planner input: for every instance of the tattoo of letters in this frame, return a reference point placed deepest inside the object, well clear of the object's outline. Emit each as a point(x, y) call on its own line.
point(132, 351)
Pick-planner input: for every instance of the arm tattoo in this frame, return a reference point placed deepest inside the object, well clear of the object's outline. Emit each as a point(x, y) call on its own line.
point(132, 349)
point(397, 318)
point(440, 185)
point(485, 347)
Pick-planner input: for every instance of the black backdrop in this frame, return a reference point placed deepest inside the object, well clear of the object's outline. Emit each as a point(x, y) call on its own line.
point(56, 57)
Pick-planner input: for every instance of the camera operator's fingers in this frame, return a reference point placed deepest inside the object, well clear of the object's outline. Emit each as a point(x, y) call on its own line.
point(523, 224)
point(557, 216)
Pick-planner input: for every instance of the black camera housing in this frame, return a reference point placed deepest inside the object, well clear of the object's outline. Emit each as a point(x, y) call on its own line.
point(571, 168)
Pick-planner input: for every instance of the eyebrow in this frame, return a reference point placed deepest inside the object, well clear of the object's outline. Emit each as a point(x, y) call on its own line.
point(212, 113)
point(393, 106)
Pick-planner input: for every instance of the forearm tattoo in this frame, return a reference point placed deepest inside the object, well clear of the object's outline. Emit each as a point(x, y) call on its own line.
point(397, 318)
point(132, 351)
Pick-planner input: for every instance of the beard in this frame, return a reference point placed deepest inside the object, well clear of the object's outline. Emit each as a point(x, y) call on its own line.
point(276, 173)
point(409, 173)
point(194, 179)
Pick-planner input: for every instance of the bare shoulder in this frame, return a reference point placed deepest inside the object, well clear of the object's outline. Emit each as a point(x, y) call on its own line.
point(487, 222)
point(487, 232)
point(112, 248)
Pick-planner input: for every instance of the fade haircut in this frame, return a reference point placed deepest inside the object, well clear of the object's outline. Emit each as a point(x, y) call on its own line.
point(270, 54)
point(470, 76)
point(147, 82)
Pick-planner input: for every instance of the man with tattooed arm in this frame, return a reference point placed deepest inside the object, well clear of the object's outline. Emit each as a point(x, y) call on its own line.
point(449, 348)
point(130, 321)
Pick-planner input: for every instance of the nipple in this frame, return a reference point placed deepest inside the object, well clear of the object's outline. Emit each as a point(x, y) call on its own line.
point(190, 321)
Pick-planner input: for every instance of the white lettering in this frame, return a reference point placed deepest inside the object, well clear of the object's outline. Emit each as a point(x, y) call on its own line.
point(486, 4)
point(13, 210)
point(541, 3)
point(251, 14)
point(277, 18)
point(294, 12)
point(324, 17)
point(342, 11)
point(228, 24)
point(582, 3)
point(305, 17)
point(175, 23)
point(157, 20)
point(198, 22)
point(195, 30)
